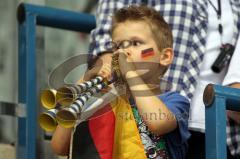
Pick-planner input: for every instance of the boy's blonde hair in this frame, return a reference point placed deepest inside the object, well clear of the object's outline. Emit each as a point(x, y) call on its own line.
point(161, 31)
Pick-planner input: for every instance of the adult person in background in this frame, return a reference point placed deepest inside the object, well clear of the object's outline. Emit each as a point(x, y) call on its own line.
point(189, 22)
point(223, 29)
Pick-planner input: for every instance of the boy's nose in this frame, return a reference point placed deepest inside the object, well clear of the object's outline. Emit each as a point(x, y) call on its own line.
point(127, 51)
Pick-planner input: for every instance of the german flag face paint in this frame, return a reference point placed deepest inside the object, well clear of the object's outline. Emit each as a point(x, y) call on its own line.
point(147, 53)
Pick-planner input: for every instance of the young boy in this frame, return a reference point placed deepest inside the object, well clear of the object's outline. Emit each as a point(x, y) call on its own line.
point(142, 40)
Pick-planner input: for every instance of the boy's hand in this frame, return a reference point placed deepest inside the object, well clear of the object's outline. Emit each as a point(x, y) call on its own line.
point(125, 63)
point(102, 67)
point(103, 70)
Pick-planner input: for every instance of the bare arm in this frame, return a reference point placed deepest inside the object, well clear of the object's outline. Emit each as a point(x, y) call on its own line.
point(61, 140)
point(150, 107)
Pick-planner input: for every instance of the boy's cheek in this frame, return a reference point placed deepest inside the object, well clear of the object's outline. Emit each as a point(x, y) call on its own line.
point(147, 54)
point(126, 65)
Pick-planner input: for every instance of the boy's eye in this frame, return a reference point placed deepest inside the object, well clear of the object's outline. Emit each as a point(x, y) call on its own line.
point(125, 44)
point(136, 43)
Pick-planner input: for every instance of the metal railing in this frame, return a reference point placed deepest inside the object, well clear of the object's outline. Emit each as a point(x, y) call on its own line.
point(217, 100)
point(29, 16)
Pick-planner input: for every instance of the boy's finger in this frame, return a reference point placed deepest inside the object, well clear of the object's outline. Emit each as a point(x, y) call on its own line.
point(106, 73)
point(123, 55)
point(107, 69)
point(89, 74)
point(115, 53)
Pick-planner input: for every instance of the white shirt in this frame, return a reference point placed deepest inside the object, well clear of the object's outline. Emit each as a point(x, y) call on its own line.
point(213, 43)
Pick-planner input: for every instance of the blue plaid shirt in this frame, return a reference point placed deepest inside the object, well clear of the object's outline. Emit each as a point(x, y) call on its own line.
point(188, 20)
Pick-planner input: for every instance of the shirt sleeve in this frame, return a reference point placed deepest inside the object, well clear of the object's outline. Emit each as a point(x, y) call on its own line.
point(233, 74)
point(179, 106)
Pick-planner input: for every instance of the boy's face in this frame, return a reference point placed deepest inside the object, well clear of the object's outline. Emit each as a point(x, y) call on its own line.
point(140, 35)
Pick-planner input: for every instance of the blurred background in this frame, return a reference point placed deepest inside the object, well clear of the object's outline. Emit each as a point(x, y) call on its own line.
point(54, 45)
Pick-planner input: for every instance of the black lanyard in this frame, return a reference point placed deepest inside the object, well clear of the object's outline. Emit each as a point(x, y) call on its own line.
point(219, 14)
point(226, 50)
